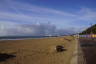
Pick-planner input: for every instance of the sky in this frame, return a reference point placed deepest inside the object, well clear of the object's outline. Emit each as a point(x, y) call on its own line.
point(28, 16)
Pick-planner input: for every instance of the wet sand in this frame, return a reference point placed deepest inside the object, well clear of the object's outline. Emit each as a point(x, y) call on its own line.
point(89, 49)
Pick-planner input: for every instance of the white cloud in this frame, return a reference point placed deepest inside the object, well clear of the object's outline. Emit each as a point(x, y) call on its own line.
point(5, 26)
point(18, 11)
point(27, 12)
point(87, 14)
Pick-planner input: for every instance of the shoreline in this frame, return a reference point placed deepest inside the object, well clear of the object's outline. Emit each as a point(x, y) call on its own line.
point(33, 38)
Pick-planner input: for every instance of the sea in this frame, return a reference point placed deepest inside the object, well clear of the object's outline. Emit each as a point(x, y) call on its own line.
point(22, 37)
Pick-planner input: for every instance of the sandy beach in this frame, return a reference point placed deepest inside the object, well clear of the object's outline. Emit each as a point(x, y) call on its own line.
point(38, 51)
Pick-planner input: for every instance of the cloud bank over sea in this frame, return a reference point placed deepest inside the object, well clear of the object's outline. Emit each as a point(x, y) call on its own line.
point(41, 29)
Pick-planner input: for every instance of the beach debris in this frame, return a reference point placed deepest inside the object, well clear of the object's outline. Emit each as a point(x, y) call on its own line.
point(60, 48)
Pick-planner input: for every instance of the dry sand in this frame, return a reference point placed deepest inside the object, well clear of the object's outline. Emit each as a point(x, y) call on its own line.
point(38, 51)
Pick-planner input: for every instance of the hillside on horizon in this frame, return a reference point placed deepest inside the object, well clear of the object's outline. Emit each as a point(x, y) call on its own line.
point(90, 30)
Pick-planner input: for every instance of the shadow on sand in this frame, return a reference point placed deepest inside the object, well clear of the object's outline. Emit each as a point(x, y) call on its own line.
point(4, 56)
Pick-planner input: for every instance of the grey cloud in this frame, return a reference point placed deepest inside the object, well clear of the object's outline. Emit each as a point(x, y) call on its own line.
point(41, 29)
